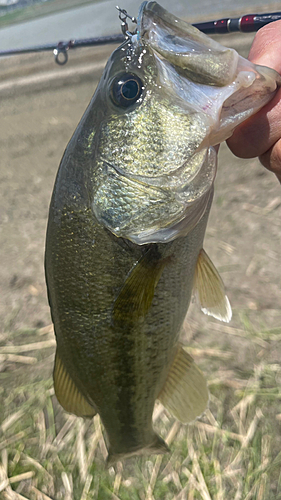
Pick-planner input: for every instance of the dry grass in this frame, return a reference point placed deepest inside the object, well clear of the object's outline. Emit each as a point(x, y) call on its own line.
point(230, 453)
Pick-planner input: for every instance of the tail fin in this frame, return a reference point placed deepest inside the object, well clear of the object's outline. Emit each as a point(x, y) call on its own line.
point(157, 446)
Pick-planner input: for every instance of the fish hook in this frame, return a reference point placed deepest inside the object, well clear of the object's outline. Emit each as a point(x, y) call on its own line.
point(124, 24)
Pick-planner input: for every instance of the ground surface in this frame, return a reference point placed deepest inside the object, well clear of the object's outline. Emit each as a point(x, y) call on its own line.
point(243, 240)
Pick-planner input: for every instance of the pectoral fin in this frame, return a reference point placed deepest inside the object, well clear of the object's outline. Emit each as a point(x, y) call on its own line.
point(68, 394)
point(185, 392)
point(136, 295)
point(210, 289)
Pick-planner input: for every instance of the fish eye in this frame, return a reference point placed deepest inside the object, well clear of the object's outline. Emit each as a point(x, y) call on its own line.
point(126, 89)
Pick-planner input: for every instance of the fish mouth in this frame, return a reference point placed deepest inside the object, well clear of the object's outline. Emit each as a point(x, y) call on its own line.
point(146, 209)
point(202, 59)
point(211, 78)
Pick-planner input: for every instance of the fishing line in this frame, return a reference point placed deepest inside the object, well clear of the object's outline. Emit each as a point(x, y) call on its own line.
point(248, 23)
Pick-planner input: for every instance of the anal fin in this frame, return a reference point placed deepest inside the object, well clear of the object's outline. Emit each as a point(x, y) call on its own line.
point(68, 394)
point(210, 289)
point(185, 392)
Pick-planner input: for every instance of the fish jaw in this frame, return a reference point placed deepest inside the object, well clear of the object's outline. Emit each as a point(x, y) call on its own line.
point(211, 78)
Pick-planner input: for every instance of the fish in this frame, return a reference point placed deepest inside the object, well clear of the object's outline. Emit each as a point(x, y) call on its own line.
point(127, 219)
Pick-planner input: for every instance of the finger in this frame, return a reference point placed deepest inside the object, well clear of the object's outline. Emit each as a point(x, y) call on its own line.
point(265, 49)
point(258, 134)
point(271, 159)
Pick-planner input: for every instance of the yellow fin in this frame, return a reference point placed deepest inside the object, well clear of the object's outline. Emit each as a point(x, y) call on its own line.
point(185, 392)
point(136, 295)
point(210, 289)
point(67, 393)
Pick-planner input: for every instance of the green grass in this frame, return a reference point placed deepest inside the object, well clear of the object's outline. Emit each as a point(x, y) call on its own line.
point(232, 452)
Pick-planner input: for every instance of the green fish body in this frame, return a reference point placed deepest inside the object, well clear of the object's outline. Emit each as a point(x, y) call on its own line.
point(124, 247)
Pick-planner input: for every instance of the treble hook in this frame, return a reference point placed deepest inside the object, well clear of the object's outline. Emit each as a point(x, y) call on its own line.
point(124, 24)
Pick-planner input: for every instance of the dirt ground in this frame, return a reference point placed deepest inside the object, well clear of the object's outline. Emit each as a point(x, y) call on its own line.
point(41, 105)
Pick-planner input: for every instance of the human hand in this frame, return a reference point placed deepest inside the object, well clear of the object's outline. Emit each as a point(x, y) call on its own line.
point(260, 135)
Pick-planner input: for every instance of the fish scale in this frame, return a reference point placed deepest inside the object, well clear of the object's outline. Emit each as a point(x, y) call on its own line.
point(151, 123)
point(124, 245)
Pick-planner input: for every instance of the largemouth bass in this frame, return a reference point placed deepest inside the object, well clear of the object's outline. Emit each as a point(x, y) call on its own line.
point(124, 247)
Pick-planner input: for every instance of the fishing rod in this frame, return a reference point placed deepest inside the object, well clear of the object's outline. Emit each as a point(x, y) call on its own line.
point(248, 23)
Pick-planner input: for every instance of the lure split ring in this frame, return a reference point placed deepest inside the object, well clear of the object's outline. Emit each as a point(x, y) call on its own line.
point(60, 52)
